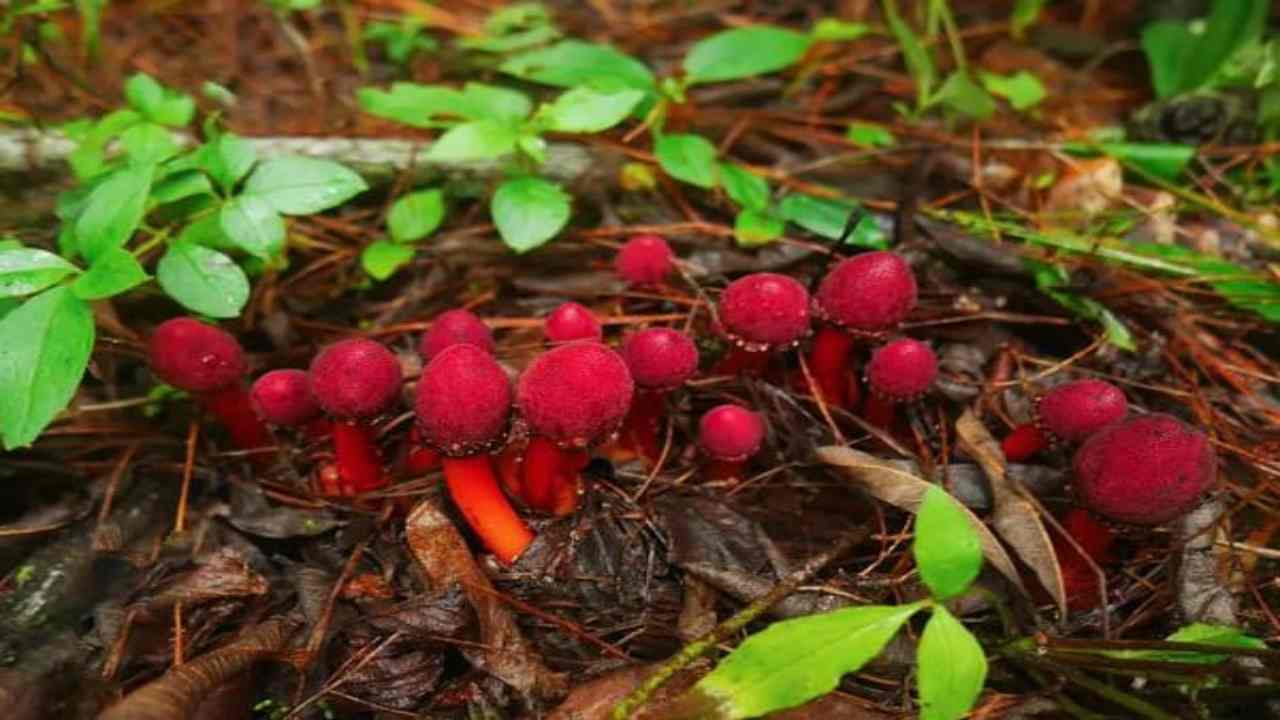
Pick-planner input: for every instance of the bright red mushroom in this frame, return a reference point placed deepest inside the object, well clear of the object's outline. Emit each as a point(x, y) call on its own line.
point(571, 321)
point(660, 360)
point(760, 313)
point(1068, 413)
point(283, 398)
point(572, 396)
point(729, 434)
point(1078, 577)
point(452, 327)
point(900, 371)
point(463, 407)
point(644, 260)
point(354, 381)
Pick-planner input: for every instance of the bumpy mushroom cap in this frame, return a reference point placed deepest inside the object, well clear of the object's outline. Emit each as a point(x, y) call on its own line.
point(660, 358)
point(868, 293)
point(902, 370)
point(463, 401)
point(644, 260)
point(194, 356)
point(283, 397)
point(730, 433)
point(1076, 410)
point(1145, 470)
point(355, 379)
point(575, 394)
point(765, 310)
point(452, 327)
point(571, 321)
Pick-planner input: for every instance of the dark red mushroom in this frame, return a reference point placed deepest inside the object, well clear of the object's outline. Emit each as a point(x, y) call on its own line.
point(572, 396)
point(1078, 577)
point(660, 360)
point(463, 406)
point(729, 434)
point(452, 327)
point(283, 398)
point(900, 371)
point(571, 321)
point(354, 381)
point(760, 313)
point(644, 260)
point(1068, 413)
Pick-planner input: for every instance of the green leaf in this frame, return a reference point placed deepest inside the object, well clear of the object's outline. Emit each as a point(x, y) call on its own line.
point(748, 190)
point(381, 259)
point(499, 104)
point(962, 95)
point(868, 234)
point(821, 216)
point(114, 272)
point(511, 42)
point(203, 280)
point(953, 668)
point(689, 158)
point(253, 225)
point(1025, 13)
point(24, 271)
point(948, 553)
point(529, 211)
point(571, 63)
point(794, 661)
point(89, 157)
point(476, 140)
point(227, 158)
point(301, 185)
point(744, 52)
point(753, 228)
point(1050, 277)
point(148, 143)
point(44, 348)
point(158, 103)
point(1183, 60)
point(1164, 160)
point(837, 30)
point(589, 109)
point(114, 210)
point(412, 104)
point(1022, 89)
point(1229, 638)
point(1169, 46)
point(416, 215)
point(870, 136)
point(919, 63)
point(180, 185)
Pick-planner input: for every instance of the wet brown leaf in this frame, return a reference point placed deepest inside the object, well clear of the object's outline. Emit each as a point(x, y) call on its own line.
point(223, 574)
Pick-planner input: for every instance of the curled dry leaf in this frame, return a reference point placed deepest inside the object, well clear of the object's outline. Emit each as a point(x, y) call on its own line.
point(1089, 188)
point(906, 491)
point(1014, 515)
point(222, 575)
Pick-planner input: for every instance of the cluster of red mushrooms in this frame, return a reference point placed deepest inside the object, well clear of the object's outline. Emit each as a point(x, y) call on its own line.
point(528, 440)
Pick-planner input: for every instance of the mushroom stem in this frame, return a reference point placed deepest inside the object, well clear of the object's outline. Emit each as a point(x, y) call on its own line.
point(740, 361)
point(640, 429)
point(474, 489)
point(725, 470)
point(418, 458)
point(359, 465)
point(829, 362)
point(551, 476)
point(878, 410)
point(233, 409)
point(1094, 538)
point(1025, 441)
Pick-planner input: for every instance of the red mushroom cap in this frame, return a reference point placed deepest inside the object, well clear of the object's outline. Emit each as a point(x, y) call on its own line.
point(195, 356)
point(355, 379)
point(452, 327)
point(869, 293)
point(283, 397)
point(1145, 470)
point(763, 310)
point(571, 321)
point(575, 394)
point(660, 358)
point(902, 370)
point(463, 402)
point(644, 260)
point(1076, 410)
point(730, 433)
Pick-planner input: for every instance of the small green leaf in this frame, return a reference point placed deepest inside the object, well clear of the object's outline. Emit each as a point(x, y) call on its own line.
point(44, 349)
point(1025, 13)
point(1164, 160)
point(837, 30)
point(498, 104)
point(253, 225)
point(754, 228)
point(948, 553)
point(24, 271)
point(962, 95)
point(179, 186)
point(1183, 60)
point(203, 280)
point(821, 216)
point(114, 272)
point(416, 215)
point(744, 52)
point(89, 157)
point(589, 109)
point(919, 63)
point(571, 63)
point(412, 104)
point(529, 211)
point(227, 158)
point(689, 158)
point(511, 42)
point(1229, 638)
point(533, 146)
point(383, 258)
point(748, 190)
point(1022, 89)
point(1169, 47)
point(301, 185)
point(953, 668)
point(158, 103)
point(476, 140)
point(148, 143)
point(114, 210)
point(868, 234)
point(870, 136)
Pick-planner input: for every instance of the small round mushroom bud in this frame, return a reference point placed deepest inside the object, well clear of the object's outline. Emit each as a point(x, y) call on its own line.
point(730, 434)
point(900, 371)
point(1145, 470)
point(452, 327)
point(571, 321)
point(760, 313)
point(354, 381)
point(1068, 413)
point(660, 360)
point(283, 397)
point(644, 260)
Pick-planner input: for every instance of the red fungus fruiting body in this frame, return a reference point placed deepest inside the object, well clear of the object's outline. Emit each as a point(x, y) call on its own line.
point(866, 295)
point(760, 313)
point(900, 371)
point(354, 381)
point(208, 363)
point(729, 435)
point(571, 321)
point(1068, 413)
point(463, 405)
point(1078, 577)
point(283, 398)
point(660, 360)
point(644, 260)
point(1145, 470)
point(452, 327)
point(571, 397)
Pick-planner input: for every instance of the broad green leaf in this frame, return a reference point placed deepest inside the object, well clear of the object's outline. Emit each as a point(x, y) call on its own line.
point(253, 225)
point(114, 272)
point(748, 190)
point(821, 216)
point(227, 158)
point(416, 215)
point(870, 136)
point(414, 105)
point(532, 146)
point(948, 553)
point(476, 140)
point(511, 42)
point(1182, 59)
point(836, 30)
point(529, 211)
point(1025, 13)
point(499, 104)
point(114, 210)
point(203, 280)
point(179, 186)
point(919, 63)
point(148, 143)
point(753, 228)
point(1169, 47)
point(744, 52)
point(962, 95)
point(89, 157)
point(301, 185)
point(589, 109)
point(44, 348)
point(1022, 89)
point(571, 63)
point(953, 668)
point(794, 661)
point(206, 231)
point(688, 158)
point(868, 234)
point(1164, 160)
point(24, 271)
point(158, 103)
point(381, 259)
point(143, 92)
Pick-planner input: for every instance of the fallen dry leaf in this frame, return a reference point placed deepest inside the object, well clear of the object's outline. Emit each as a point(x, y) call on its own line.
point(1090, 187)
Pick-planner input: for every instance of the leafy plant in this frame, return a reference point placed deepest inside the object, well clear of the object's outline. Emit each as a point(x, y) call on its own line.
point(1187, 56)
point(958, 93)
point(401, 40)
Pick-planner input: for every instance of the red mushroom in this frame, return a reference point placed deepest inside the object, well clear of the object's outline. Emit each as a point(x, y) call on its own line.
point(900, 371)
point(463, 406)
point(660, 360)
point(644, 260)
point(1078, 577)
point(208, 363)
point(571, 321)
point(452, 327)
point(867, 295)
point(729, 435)
point(1068, 413)
point(571, 397)
point(760, 313)
point(354, 381)
point(283, 398)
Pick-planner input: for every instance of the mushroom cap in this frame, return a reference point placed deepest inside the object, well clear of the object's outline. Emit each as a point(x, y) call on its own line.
point(1075, 410)
point(195, 356)
point(575, 394)
point(571, 321)
point(1144, 470)
point(902, 370)
point(452, 327)
point(764, 310)
point(644, 260)
point(355, 379)
point(463, 401)
point(660, 358)
point(730, 433)
point(868, 293)
point(283, 397)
